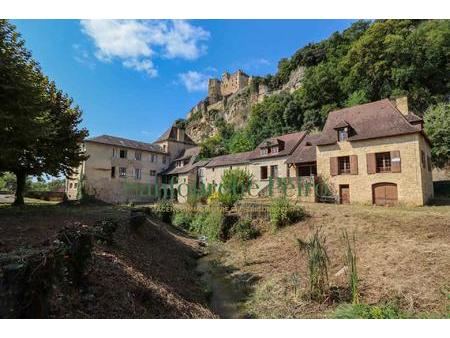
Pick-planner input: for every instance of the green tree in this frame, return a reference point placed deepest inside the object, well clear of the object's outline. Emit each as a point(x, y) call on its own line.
point(39, 123)
point(234, 184)
point(437, 127)
point(239, 142)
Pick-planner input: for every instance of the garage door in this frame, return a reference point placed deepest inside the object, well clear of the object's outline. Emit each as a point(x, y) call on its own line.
point(385, 194)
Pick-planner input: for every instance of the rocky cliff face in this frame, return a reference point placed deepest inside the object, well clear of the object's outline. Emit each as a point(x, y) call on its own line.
point(234, 109)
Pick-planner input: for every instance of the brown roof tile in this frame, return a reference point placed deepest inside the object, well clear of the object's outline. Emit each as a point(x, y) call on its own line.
point(370, 120)
point(171, 135)
point(230, 159)
point(290, 143)
point(306, 150)
point(126, 143)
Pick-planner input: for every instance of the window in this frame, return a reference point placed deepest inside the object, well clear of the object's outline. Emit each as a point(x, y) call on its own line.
point(70, 185)
point(138, 155)
point(152, 172)
point(122, 172)
point(264, 174)
point(164, 147)
point(75, 185)
point(114, 153)
point(263, 151)
point(274, 150)
point(342, 134)
point(137, 173)
point(113, 172)
point(383, 162)
point(429, 163)
point(344, 165)
point(164, 159)
point(307, 170)
point(273, 171)
point(422, 158)
point(123, 153)
point(152, 157)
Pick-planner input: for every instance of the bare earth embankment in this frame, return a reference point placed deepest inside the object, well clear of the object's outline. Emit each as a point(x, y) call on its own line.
point(403, 256)
point(145, 273)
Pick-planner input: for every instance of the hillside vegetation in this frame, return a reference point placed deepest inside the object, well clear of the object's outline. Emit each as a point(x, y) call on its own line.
point(366, 62)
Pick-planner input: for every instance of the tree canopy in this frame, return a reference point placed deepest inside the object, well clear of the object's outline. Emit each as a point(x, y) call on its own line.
point(367, 62)
point(38, 122)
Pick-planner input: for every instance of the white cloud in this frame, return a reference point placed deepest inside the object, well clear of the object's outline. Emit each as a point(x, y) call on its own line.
point(194, 81)
point(137, 42)
point(82, 56)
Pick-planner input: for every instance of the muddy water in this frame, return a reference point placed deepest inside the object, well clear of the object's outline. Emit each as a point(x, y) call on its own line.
point(225, 298)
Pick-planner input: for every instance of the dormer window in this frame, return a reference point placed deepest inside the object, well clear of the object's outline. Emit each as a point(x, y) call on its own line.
point(274, 150)
point(343, 134)
point(263, 151)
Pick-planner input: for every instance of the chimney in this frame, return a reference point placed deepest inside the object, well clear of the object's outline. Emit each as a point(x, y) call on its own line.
point(180, 134)
point(402, 105)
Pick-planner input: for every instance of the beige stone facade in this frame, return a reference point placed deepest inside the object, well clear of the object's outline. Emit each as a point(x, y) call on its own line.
point(227, 85)
point(113, 179)
point(374, 153)
point(414, 182)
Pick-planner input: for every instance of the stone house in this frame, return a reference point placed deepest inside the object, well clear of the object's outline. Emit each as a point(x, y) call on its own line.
point(120, 170)
point(376, 153)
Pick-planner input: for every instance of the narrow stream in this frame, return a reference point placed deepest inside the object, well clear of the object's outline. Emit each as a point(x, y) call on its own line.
point(225, 297)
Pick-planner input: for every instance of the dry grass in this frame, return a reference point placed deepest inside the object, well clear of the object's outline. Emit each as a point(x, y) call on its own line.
point(403, 254)
point(148, 273)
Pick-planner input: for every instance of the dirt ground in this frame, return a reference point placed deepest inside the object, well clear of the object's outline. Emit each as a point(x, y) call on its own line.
point(403, 254)
point(148, 273)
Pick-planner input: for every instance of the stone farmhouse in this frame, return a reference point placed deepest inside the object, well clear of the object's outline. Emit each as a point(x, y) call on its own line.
point(375, 153)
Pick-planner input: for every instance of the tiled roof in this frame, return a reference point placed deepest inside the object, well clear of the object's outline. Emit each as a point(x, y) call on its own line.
point(123, 142)
point(306, 150)
point(370, 120)
point(171, 135)
point(290, 143)
point(230, 159)
point(188, 153)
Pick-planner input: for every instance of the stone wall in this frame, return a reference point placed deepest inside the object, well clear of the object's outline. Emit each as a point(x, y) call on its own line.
point(411, 185)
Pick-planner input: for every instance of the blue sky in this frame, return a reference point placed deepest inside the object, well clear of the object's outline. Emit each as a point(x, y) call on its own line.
point(134, 78)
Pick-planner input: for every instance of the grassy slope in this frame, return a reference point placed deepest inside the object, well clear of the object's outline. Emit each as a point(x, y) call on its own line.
point(403, 256)
point(145, 274)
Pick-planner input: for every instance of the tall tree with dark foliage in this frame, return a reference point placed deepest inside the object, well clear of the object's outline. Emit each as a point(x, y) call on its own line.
point(39, 131)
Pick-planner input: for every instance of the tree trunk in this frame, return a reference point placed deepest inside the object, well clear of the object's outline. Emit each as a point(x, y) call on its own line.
point(20, 187)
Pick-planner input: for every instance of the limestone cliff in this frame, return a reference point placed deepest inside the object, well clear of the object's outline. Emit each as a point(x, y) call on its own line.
point(233, 108)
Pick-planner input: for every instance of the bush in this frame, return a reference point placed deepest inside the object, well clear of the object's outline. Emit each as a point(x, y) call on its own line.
point(245, 230)
point(364, 311)
point(317, 264)
point(183, 219)
point(164, 210)
point(209, 222)
point(235, 183)
point(282, 212)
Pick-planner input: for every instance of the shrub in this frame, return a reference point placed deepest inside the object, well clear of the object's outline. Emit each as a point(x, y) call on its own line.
point(364, 311)
point(164, 210)
point(234, 184)
point(182, 219)
point(350, 260)
point(282, 212)
point(317, 264)
point(245, 230)
point(209, 222)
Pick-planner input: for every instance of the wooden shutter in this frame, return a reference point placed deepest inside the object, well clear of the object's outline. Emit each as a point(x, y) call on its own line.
point(354, 164)
point(333, 166)
point(396, 163)
point(371, 163)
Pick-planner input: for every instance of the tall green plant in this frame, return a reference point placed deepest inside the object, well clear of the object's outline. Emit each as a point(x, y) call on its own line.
point(318, 261)
point(350, 260)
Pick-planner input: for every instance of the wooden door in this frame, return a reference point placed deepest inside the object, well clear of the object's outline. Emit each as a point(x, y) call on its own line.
point(385, 194)
point(344, 194)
